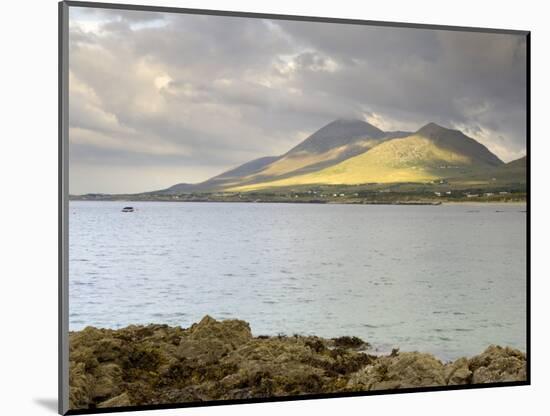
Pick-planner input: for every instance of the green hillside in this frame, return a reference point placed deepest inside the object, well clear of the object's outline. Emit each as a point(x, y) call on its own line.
point(512, 173)
point(333, 143)
point(433, 152)
point(353, 152)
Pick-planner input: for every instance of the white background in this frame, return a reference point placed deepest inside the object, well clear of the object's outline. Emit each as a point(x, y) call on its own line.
point(28, 216)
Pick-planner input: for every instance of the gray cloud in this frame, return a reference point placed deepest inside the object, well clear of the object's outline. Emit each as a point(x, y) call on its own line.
point(190, 95)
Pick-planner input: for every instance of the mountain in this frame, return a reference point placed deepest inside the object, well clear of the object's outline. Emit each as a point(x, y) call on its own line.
point(228, 178)
point(518, 164)
point(337, 141)
point(511, 173)
point(349, 152)
point(341, 132)
point(457, 142)
point(432, 152)
point(333, 143)
point(514, 171)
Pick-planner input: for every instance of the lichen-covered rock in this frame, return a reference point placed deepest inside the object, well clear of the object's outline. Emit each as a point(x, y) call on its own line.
point(233, 332)
point(273, 368)
point(217, 360)
point(498, 364)
point(458, 372)
point(108, 381)
point(403, 370)
point(209, 340)
point(80, 392)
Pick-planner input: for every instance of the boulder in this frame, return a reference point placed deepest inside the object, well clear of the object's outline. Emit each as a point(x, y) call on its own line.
point(498, 364)
point(458, 372)
point(403, 370)
point(209, 340)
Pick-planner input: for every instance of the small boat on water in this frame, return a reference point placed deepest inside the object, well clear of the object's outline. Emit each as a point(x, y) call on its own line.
point(128, 209)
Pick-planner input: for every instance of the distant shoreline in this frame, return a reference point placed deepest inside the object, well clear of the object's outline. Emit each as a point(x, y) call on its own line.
point(319, 202)
point(433, 193)
point(485, 202)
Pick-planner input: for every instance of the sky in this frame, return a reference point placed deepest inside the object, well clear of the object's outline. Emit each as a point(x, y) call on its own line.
point(157, 99)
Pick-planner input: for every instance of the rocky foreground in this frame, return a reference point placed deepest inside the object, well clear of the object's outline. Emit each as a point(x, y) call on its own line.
point(220, 360)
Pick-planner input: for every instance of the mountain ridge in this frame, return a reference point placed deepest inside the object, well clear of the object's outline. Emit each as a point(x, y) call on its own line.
point(332, 143)
point(337, 133)
point(351, 151)
point(451, 137)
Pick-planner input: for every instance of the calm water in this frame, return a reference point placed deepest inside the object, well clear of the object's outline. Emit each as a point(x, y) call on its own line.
point(443, 279)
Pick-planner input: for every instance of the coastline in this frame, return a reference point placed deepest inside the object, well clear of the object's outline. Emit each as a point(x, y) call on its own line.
point(474, 203)
point(222, 360)
point(318, 202)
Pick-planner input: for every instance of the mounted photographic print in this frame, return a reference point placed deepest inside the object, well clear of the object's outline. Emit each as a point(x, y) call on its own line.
point(263, 207)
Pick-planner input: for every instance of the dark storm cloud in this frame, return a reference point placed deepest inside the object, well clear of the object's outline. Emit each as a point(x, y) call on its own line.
point(415, 74)
point(206, 92)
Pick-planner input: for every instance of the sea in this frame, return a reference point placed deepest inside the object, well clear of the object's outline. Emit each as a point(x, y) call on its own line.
point(448, 280)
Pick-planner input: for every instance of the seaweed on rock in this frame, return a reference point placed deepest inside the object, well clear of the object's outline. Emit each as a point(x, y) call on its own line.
point(217, 360)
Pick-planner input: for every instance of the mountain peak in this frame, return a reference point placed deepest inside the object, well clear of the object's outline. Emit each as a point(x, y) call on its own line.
point(348, 121)
point(339, 132)
point(352, 151)
point(432, 128)
point(458, 142)
point(350, 125)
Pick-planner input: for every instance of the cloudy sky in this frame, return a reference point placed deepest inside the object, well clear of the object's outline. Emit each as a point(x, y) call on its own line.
point(157, 99)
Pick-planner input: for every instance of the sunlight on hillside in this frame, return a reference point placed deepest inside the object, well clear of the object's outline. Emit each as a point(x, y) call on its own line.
point(300, 160)
point(411, 159)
